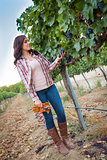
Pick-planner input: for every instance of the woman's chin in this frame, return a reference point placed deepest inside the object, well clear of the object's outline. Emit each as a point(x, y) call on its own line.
point(29, 48)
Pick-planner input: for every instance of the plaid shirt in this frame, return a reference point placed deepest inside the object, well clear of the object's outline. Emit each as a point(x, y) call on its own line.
point(24, 69)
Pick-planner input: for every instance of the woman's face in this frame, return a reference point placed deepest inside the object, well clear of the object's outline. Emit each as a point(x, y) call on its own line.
point(26, 45)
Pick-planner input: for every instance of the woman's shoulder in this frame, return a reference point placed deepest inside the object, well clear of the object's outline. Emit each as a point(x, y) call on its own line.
point(21, 61)
point(23, 64)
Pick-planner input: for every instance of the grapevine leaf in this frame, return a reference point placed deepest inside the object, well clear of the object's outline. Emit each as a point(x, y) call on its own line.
point(105, 21)
point(51, 20)
point(92, 53)
point(86, 11)
point(89, 43)
point(59, 3)
point(61, 9)
point(91, 14)
point(77, 46)
point(47, 22)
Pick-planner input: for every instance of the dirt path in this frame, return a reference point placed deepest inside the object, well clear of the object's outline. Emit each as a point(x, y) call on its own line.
point(22, 132)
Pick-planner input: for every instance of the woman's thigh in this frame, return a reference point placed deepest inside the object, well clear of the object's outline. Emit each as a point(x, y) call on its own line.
point(48, 117)
point(42, 96)
point(55, 100)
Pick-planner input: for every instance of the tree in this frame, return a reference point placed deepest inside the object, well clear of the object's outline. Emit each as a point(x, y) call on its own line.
point(78, 26)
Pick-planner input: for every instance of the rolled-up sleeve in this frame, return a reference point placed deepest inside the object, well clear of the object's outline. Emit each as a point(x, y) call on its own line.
point(53, 65)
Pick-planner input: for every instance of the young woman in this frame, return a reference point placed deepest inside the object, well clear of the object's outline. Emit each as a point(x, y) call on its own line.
point(34, 70)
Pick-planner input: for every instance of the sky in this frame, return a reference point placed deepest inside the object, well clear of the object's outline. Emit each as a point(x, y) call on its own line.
point(10, 10)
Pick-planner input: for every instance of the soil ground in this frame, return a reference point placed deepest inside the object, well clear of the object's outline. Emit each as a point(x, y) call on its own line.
point(23, 132)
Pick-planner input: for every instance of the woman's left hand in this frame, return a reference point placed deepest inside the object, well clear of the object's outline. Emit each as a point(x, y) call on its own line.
point(62, 54)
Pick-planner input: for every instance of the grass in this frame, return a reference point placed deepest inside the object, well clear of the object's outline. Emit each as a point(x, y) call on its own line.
point(101, 131)
point(61, 89)
point(3, 107)
point(1, 110)
point(98, 84)
point(81, 91)
point(66, 98)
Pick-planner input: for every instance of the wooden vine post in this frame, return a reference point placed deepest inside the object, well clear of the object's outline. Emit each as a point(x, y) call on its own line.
point(71, 93)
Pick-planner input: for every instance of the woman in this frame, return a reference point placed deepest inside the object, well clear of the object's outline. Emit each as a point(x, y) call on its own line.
point(34, 70)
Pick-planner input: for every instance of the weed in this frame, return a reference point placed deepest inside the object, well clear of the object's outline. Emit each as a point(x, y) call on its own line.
point(98, 84)
point(61, 89)
point(75, 88)
point(74, 128)
point(66, 98)
point(5, 104)
point(1, 110)
point(100, 132)
point(81, 91)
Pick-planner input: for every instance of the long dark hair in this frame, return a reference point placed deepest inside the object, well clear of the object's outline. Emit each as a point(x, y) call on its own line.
point(17, 45)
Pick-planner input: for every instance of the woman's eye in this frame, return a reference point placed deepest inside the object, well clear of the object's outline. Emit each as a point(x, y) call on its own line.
point(25, 41)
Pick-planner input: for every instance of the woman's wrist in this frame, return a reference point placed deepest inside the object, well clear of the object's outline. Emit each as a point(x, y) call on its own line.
point(59, 58)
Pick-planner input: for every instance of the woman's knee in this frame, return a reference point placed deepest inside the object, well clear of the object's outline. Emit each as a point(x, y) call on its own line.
point(48, 117)
point(61, 117)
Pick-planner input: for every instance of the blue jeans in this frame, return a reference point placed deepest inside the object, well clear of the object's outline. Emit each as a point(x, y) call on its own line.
point(51, 94)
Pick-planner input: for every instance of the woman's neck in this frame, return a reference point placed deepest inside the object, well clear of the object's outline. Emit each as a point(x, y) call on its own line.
point(28, 55)
point(25, 53)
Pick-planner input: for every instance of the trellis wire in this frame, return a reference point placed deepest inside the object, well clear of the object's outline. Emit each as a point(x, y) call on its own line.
point(87, 108)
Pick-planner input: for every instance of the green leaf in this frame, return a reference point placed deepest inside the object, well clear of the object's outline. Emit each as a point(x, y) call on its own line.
point(51, 21)
point(92, 53)
point(72, 16)
point(105, 1)
point(86, 11)
point(98, 29)
point(83, 51)
point(59, 3)
point(75, 54)
point(105, 8)
point(89, 43)
point(61, 9)
point(77, 46)
point(65, 17)
point(60, 18)
point(79, 5)
point(36, 7)
point(65, 28)
point(91, 14)
point(18, 20)
point(105, 21)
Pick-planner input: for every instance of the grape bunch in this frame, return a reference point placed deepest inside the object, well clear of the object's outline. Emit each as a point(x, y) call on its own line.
point(68, 58)
point(50, 60)
point(80, 18)
point(88, 21)
point(69, 35)
point(99, 5)
point(88, 32)
point(97, 52)
point(62, 50)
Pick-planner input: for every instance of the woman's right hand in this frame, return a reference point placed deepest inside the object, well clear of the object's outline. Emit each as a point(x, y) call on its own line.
point(38, 103)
